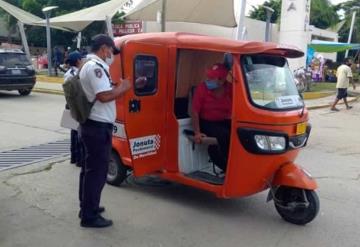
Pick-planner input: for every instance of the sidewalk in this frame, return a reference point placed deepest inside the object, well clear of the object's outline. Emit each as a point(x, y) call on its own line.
point(323, 102)
point(48, 87)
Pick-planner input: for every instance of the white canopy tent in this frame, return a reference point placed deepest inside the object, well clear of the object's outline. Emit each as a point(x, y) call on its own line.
point(213, 12)
point(79, 20)
point(75, 21)
point(23, 17)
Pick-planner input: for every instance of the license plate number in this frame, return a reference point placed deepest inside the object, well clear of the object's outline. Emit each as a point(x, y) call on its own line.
point(301, 128)
point(16, 72)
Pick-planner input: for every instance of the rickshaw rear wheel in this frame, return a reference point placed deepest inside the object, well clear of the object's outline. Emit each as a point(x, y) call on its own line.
point(117, 171)
point(297, 206)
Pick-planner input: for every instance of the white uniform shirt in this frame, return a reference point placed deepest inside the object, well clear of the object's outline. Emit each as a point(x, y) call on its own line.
point(94, 80)
point(71, 73)
point(343, 74)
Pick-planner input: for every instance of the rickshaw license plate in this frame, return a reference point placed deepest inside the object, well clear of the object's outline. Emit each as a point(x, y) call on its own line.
point(301, 128)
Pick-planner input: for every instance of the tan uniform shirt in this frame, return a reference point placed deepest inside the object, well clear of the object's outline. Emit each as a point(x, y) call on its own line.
point(343, 74)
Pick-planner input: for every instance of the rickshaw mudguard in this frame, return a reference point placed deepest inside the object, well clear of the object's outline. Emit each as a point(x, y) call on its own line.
point(293, 176)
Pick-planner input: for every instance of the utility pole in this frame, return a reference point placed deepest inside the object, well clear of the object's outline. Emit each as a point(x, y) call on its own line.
point(354, 9)
point(241, 19)
point(269, 12)
point(47, 12)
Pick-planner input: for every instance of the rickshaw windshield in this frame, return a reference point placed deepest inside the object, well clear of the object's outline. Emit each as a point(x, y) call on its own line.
point(270, 82)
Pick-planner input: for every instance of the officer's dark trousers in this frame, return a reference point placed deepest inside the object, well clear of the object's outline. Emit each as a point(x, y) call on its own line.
point(221, 131)
point(97, 140)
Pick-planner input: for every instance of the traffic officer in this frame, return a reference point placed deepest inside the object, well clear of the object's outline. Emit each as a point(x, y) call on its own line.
point(96, 132)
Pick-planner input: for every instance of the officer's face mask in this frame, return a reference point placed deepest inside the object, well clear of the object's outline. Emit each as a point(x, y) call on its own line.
point(109, 59)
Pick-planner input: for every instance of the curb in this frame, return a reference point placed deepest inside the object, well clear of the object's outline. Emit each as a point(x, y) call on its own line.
point(56, 80)
point(317, 95)
point(328, 105)
point(48, 91)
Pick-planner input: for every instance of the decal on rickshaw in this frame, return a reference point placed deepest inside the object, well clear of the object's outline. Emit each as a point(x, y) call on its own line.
point(119, 130)
point(288, 101)
point(145, 146)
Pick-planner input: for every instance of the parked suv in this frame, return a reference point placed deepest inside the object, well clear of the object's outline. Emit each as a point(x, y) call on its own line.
point(16, 71)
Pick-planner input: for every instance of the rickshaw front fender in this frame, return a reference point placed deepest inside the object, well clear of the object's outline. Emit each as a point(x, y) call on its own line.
point(292, 175)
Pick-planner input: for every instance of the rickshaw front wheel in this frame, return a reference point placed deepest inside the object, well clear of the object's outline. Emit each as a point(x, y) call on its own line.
point(297, 206)
point(117, 171)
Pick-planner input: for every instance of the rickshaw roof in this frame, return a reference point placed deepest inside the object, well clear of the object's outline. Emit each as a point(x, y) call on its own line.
point(209, 43)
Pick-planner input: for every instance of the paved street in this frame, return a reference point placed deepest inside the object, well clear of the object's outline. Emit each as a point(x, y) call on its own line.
point(38, 203)
point(30, 120)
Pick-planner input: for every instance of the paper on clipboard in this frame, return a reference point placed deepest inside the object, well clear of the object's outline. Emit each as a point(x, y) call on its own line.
point(67, 121)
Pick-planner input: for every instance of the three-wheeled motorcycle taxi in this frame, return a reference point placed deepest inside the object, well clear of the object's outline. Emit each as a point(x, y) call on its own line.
point(269, 124)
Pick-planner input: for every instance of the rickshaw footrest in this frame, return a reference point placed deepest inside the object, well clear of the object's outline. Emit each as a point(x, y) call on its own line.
point(206, 177)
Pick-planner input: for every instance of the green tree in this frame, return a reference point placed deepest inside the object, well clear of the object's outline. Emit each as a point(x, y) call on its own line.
point(344, 31)
point(259, 13)
point(323, 13)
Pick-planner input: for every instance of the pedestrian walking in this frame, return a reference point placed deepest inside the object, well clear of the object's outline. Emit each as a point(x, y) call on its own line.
point(96, 132)
point(344, 77)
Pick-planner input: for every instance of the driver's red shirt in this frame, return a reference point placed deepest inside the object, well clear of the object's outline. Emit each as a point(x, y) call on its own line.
point(211, 107)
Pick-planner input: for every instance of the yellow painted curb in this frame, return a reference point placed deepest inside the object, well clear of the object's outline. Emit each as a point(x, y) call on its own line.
point(44, 78)
point(328, 105)
point(317, 95)
point(48, 91)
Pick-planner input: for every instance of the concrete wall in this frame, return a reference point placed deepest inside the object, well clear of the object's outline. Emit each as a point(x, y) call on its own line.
point(255, 29)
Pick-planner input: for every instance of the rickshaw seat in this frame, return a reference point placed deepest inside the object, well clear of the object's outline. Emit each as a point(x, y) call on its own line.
point(181, 108)
point(205, 140)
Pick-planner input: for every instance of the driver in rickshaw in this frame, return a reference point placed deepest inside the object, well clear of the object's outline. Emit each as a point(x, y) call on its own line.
point(211, 113)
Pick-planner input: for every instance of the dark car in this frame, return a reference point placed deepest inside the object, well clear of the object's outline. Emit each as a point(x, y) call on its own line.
point(16, 71)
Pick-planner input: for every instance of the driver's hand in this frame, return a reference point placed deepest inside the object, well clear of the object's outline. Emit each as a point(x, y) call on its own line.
point(198, 136)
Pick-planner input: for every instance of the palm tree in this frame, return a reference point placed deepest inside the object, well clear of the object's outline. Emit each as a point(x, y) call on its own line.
point(345, 29)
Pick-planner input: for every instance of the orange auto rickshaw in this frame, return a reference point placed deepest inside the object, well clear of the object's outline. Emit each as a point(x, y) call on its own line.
point(153, 132)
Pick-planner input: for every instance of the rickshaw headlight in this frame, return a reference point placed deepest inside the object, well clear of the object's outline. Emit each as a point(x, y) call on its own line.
point(270, 143)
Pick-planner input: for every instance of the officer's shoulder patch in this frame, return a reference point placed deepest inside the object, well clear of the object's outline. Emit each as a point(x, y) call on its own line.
point(98, 73)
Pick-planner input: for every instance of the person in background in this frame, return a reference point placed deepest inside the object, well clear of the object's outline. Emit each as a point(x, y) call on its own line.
point(84, 52)
point(74, 63)
point(344, 77)
point(58, 58)
point(211, 112)
point(67, 50)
